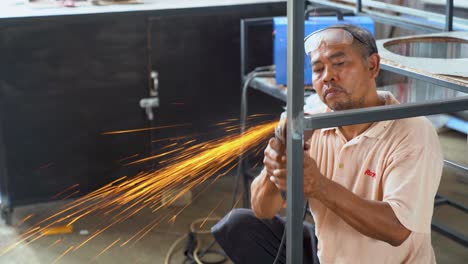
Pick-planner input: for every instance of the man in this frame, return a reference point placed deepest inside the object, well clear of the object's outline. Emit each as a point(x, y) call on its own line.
point(370, 187)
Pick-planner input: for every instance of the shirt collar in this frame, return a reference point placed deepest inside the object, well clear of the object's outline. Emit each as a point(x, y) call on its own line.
point(377, 129)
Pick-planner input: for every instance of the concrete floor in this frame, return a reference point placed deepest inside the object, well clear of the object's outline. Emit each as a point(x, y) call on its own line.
point(154, 246)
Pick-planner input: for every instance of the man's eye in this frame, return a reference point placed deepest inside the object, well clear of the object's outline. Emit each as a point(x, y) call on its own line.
point(339, 63)
point(317, 70)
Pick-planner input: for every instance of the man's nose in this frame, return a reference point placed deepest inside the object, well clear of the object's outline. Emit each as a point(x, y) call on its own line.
point(328, 74)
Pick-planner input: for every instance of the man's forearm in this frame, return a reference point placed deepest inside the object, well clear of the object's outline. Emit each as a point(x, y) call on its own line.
point(374, 219)
point(266, 199)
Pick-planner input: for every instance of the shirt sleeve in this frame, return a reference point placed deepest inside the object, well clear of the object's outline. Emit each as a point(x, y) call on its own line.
point(410, 183)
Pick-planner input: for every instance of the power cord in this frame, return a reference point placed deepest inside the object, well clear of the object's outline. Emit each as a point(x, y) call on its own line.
point(193, 245)
point(263, 71)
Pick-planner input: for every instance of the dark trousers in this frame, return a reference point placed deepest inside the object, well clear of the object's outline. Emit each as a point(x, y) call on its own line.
point(247, 239)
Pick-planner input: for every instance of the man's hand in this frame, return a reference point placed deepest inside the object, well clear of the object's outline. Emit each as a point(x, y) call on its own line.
point(313, 179)
point(275, 163)
point(266, 198)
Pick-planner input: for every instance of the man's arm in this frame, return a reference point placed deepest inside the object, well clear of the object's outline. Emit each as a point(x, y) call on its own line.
point(371, 218)
point(266, 199)
point(374, 219)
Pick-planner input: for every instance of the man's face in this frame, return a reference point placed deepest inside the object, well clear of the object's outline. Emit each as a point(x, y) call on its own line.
point(341, 76)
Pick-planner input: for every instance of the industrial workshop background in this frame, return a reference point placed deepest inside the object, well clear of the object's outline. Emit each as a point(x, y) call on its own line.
point(97, 97)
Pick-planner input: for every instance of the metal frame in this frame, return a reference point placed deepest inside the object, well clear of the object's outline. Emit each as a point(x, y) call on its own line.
point(434, 79)
point(381, 113)
point(449, 15)
point(295, 132)
point(297, 123)
point(245, 25)
point(457, 167)
point(443, 229)
point(396, 20)
point(400, 9)
point(5, 203)
point(349, 117)
point(365, 115)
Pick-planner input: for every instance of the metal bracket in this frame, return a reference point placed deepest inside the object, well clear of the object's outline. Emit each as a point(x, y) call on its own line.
point(153, 101)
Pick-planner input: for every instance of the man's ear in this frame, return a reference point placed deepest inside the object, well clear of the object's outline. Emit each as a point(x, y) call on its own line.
point(374, 64)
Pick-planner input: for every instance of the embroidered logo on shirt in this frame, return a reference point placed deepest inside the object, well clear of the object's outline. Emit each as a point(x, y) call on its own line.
point(370, 173)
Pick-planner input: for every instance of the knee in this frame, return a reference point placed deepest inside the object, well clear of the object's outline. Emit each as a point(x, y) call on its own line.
point(235, 223)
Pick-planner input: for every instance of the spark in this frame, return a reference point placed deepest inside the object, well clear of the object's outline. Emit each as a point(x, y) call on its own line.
point(142, 129)
point(169, 139)
point(222, 123)
point(71, 194)
point(28, 234)
point(24, 220)
point(212, 211)
point(92, 237)
point(107, 248)
point(64, 191)
point(55, 243)
point(185, 168)
point(153, 157)
point(62, 255)
point(129, 157)
point(46, 165)
point(170, 145)
point(149, 226)
point(258, 115)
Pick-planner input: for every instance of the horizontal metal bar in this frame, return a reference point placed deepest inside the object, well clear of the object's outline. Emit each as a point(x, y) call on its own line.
point(263, 85)
point(402, 22)
point(456, 166)
point(444, 200)
point(440, 201)
point(256, 21)
point(450, 233)
point(457, 205)
point(407, 11)
point(430, 79)
point(267, 86)
point(388, 112)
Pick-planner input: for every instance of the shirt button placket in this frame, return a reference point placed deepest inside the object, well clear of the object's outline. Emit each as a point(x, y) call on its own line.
point(340, 158)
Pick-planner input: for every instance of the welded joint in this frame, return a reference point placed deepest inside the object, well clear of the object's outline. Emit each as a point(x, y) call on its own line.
point(297, 126)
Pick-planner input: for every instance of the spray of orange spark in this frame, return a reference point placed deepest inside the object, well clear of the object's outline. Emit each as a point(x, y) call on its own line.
point(188, 167)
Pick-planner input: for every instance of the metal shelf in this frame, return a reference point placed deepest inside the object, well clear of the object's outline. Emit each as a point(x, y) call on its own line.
point(269, 86)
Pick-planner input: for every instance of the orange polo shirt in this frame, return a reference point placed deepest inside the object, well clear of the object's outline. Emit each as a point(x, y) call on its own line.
point(399, 162)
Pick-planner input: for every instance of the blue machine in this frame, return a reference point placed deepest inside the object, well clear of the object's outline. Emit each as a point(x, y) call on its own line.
point(312, 24)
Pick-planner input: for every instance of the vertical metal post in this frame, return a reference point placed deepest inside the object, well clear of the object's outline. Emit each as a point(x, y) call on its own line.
point(6, 206)
point(449, 15)
point(358, 6)
point(295, 113)
point(243, 51)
